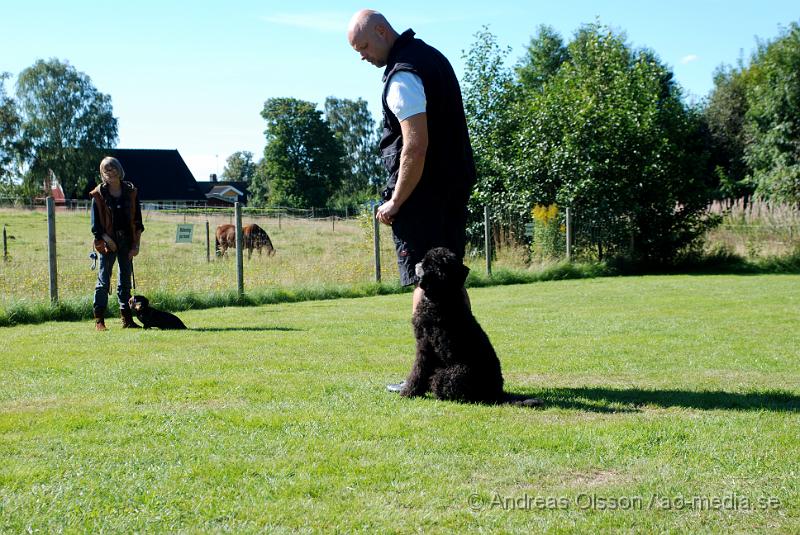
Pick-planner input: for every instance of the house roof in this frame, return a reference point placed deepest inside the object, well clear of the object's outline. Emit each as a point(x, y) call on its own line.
point(158, 174)
point(222, 190)
point(215, 189)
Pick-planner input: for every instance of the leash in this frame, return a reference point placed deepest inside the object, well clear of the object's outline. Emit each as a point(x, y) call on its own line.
point(133, 275)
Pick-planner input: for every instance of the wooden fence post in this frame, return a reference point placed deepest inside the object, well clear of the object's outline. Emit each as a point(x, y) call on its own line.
point(487, 239)
point(239, 259)
point(569, 234)
point(376, 242)
point(51, 249)
point(208, 242)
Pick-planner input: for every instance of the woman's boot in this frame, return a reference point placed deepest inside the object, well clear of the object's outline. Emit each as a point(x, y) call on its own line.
point(99, 319)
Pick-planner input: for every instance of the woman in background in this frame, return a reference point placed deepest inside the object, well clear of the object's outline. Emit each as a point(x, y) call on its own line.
point(117, 229)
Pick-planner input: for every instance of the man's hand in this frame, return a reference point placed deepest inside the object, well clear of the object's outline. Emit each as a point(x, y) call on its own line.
point(386, 212)
point(133, 252)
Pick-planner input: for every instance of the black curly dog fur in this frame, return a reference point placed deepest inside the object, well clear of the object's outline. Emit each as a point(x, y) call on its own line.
point(150, 317)
point(455, 359)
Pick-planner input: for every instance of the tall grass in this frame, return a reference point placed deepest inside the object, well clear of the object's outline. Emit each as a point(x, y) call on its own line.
point(755, 229)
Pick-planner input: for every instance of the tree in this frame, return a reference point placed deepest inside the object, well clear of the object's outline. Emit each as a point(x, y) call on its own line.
point(259, 195)
point(490, 99)
point(355, 128)
point(609, 136)
point(9, 133)
point(773, 118)
point(65, 124)
point(544, 56)
point(303, 160)
point(239, 167)
point(725, 113)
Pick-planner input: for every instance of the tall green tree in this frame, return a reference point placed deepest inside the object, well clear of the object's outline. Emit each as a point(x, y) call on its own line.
point(609, 136)
point(543, 57)
point(773, 117)
point(239, 167)
point(258, 189)
point(9, 133)
point(304, 162)
point(356, 129)
point(725, 112)
point(66, 123)
point(490, 97)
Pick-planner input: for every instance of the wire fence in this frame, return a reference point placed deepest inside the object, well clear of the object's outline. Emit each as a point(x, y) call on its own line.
point(321, 246)
point(312, 247)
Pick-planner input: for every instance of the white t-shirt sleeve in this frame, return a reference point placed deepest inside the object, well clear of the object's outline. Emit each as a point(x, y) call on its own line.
point(405, 95)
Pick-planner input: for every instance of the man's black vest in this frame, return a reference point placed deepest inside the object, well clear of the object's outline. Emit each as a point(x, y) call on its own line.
point(449, 172)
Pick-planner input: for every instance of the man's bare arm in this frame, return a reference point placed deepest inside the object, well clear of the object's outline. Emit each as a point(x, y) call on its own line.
point(412, 162)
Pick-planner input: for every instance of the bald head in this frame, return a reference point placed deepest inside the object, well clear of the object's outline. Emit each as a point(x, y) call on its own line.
point(371, 35)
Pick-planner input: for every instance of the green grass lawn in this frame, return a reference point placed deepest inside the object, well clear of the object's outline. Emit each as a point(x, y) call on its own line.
point(672, 404)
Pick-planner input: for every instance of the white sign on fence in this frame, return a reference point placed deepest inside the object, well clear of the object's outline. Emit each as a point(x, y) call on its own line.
point(184, 233)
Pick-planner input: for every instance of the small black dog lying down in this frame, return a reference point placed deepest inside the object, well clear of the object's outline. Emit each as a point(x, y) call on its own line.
point(455, 359)
point(150, 317)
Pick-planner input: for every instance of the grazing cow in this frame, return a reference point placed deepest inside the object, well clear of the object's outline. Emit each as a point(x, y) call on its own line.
point(253, 237)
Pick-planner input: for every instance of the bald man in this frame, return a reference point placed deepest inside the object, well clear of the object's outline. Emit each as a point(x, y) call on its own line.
point(425, 144)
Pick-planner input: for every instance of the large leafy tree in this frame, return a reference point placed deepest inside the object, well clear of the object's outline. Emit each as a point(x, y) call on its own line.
point(490, 97)
point(773, 117)
point(303, 159)
point(356, 129)
point(609, 136)
point(9, 133)
point(239, 167)
point(543, 57)
point(259, 192)
point(725, 113)
point(66, 124)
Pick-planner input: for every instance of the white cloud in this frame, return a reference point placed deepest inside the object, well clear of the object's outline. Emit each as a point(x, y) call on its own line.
point(323, 21)
point(690, 58)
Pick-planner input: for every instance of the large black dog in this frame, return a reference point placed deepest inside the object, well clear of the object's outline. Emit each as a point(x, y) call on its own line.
point(150, 317)
point(455, 359)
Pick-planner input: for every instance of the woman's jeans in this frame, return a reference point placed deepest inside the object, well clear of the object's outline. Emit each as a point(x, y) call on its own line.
point(101, 289)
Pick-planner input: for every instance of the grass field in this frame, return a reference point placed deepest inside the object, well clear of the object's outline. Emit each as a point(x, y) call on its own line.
point(307, 251)
point(672, 405)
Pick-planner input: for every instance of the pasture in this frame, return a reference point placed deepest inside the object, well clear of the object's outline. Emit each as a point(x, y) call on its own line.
point(672, 405)
point(307, 251)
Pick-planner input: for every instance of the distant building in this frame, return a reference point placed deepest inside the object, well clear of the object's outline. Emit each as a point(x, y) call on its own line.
point(161, 177)
point(224, 193)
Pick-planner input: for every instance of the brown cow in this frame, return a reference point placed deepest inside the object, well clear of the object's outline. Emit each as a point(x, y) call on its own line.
point(252, 236)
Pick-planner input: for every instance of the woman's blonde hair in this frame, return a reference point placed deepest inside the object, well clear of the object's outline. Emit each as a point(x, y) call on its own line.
point(113, 162)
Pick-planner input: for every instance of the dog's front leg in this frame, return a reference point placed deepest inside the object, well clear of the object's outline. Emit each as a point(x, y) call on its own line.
point(418, 381)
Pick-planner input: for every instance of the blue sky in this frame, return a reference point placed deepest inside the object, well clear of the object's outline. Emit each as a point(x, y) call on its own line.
point(194, 75)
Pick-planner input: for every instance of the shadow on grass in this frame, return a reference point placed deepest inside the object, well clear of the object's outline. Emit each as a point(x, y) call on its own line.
point(633, 399)
point(243, 329)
